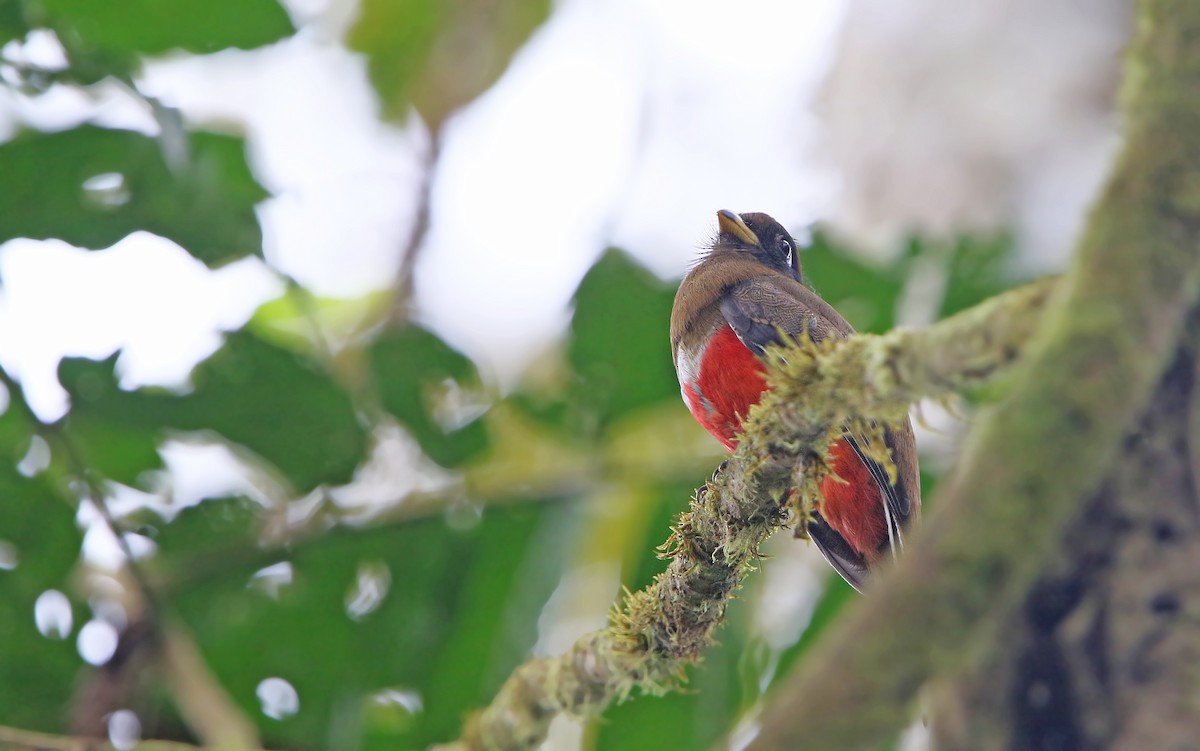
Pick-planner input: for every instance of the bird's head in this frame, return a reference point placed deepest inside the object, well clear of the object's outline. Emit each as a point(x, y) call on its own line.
point(760, 236)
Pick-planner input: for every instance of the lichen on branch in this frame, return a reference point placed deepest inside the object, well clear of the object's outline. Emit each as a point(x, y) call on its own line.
point(816, 390)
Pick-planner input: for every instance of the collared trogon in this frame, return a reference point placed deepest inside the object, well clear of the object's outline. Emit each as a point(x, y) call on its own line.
point(746, 293)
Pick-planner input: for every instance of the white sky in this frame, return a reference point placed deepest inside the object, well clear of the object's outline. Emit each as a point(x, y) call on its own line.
point(620, 122)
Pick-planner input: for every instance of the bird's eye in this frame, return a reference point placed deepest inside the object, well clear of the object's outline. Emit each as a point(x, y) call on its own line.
point(785, 246)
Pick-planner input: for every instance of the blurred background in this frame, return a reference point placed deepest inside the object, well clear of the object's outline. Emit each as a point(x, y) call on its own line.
point(346, 322)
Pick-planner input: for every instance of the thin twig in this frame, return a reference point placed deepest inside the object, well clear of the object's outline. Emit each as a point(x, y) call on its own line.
point(16, 739)
point(405, 276)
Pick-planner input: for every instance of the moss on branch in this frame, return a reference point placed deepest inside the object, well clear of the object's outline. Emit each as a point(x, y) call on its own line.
point(658, 631)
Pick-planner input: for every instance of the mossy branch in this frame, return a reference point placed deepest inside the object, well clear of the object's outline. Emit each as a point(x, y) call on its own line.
point(658, 631)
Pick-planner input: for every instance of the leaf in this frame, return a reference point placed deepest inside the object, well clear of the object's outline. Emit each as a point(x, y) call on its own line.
point(619, 347)
point(120, 452)
point(437, 56)
point(254, 394)
point(205, 204)
point(977, 268)
point(413, 369)
point(695, 718)
point(289, 319)
point(152, 27)
point(37, 525)
point(865, 294)
point(207, 541)
point(12, 22)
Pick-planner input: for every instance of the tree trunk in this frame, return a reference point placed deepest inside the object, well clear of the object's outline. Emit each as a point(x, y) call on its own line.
point(1104, 653)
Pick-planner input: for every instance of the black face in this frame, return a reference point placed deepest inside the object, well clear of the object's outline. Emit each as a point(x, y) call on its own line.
point(776, 248)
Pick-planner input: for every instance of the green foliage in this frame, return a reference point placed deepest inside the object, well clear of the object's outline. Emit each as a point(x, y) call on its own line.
point(868, 293)
point(119, 32)
point(253, 394)
point(12, 22)
point(397, 38)
point(443, 624)
point(295, 320)
point(457, 606)
point(116, 448)
point(696, 718)
point(37, 527)
point(620, 340)
point(205, 203)
point(414, 370)
point(437, 56)
point(864, 292)
point(977, 268)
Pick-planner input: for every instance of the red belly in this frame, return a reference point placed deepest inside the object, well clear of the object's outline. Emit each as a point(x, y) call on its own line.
point(731, 380)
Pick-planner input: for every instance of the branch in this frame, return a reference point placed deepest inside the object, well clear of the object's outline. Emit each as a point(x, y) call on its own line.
point(1090, 369)
point(203, 702)
point(405, 281)
point(660, 630)
point(15, 739)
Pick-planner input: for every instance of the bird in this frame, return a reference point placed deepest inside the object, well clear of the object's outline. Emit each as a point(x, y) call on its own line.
point(746, 293)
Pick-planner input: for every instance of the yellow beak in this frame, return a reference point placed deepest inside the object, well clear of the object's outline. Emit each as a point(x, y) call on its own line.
point(732, 224)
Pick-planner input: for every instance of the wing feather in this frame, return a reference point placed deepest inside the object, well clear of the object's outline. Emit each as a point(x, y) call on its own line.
point(764, 310)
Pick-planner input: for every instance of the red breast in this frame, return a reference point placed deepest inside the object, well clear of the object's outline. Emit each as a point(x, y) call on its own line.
point(737, 300)
point(725, 380)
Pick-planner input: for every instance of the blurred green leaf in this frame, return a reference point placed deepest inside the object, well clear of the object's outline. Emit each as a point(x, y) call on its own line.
point(418, 375)
point(254, 394)
point(695, 718)
point(12, 22)
point(619, 346)
point(868, 293)
point(289, 319)
point(119, 451)
point(977, 268)
point(92, 186)
point(865, 293)
point(437, 56)
point(420, 607)
point(397, 38)
point(152, 27)
point(207, 541)
point(37, 528)
point(673, 499)
point(515, 567)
